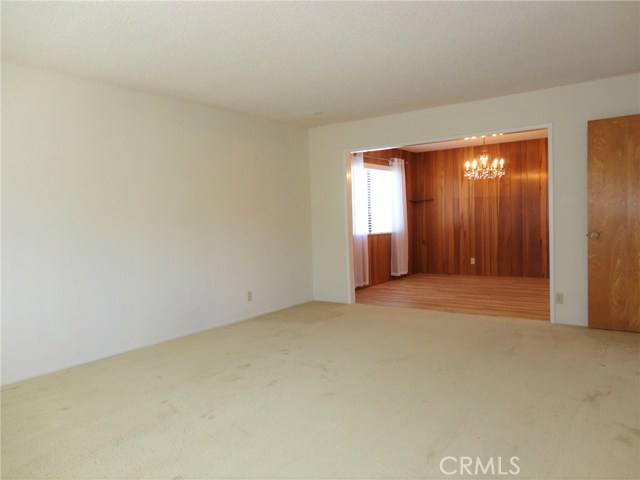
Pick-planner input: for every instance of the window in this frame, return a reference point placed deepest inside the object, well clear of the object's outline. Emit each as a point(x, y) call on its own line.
point(379, 209)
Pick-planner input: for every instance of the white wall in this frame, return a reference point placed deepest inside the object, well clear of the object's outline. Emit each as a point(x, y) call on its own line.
point(130, 218)
point(567, 108)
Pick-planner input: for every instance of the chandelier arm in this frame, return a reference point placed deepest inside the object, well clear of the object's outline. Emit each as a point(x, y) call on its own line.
point(481, 169)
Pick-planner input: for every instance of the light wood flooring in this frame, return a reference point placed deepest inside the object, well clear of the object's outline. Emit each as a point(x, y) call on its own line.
point(497, 296)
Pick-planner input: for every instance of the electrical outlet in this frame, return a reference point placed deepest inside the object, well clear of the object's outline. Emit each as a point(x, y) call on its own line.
point(559, 298)
point(473, 260)
point(249, 296)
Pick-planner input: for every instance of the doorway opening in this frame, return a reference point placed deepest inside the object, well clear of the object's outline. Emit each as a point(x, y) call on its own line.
point(474, 246)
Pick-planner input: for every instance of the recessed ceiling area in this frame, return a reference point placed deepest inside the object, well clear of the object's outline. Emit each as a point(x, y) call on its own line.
point(316, 63)
point(477, 140)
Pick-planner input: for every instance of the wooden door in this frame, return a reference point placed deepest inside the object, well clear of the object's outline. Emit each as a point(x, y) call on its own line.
point(614, 223)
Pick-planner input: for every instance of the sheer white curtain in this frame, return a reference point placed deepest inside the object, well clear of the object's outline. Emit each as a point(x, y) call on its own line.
point(399, 235)
point(360, 220)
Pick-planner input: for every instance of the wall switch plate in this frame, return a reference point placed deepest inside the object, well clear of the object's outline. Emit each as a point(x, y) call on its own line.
point(249, 296)
point(473, 261)
point(559, 298)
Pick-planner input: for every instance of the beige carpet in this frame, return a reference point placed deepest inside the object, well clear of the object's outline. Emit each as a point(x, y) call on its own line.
point(338, 391)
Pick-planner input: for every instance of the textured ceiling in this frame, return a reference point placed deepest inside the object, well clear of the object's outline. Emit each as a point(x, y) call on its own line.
point(313, 63)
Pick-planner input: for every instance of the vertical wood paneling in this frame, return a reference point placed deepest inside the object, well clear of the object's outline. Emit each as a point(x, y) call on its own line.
point(503, 223)
point(506, 258)
point(379, 258)
point(380, 244)
point(514, 164)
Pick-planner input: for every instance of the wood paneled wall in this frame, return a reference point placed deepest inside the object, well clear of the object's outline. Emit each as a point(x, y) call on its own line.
point(379, 258)
point(380, 244)
point(503, 223)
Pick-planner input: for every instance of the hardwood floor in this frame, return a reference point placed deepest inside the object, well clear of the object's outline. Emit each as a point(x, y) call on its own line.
point(521, 297)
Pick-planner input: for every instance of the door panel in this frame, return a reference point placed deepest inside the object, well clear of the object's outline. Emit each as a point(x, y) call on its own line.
point(614, 223)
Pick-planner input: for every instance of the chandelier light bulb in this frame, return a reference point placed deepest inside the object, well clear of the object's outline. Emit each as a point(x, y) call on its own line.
point(483, 170)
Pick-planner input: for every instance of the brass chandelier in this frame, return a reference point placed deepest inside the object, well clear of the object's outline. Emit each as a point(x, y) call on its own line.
point(481, 169)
